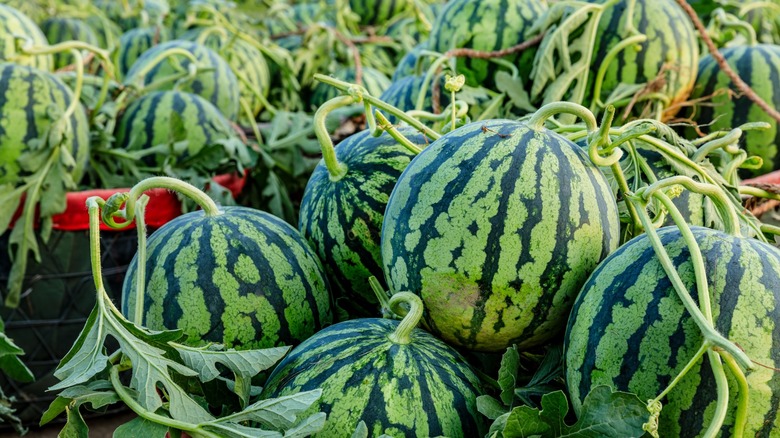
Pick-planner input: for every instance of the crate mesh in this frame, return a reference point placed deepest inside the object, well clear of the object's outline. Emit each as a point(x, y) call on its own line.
point(57, 297)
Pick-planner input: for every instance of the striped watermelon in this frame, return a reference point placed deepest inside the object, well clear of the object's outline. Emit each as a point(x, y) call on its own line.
point(61, 29)
point(12, 24)
point(379, 12)
point(246, 60)
point(403, 94)
point(497, 226)
point(243, 278)
point(759, 67)
point(147, 123)
point(291, 18)
point(486, 25)
point(218, 84)
point(134, 42)
point(373, 80)
point(33, 101)
point(342, 219)
point(398, 379)
point(628, 329)
point(671, 42)
point(106, 31)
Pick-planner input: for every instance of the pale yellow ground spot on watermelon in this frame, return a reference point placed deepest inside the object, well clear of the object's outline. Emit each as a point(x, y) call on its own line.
point(239, 310)
point(157, 282)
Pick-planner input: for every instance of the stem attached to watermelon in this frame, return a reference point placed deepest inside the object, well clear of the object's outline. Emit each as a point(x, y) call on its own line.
point(138, 79)
point(335, 169)
point(345, 87)
point(602, 72)
point(140, 273)
point(536, 122)
point(136, 407)
point(743, 391)
point(208, 205)
point(402, 334)
point(728, 21)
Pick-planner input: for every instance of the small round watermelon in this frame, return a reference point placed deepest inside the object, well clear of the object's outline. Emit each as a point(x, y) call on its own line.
point(33, 102)
point(242, 278)
point(216, 82)
point(14, 24)
point(629, 329)
point(342, 217)
point(398, 379)
point(149, 122)
point(134, 42)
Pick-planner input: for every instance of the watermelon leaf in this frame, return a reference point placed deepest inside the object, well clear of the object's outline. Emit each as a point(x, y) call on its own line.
point(244, 364)
point(604, 414)
point(141, 427)
point(98, 393)
point(507, 374)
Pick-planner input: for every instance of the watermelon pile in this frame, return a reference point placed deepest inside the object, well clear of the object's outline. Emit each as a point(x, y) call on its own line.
point(459, 218)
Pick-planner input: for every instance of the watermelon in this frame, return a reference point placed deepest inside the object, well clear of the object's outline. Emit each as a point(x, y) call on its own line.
point(61, 29)
point(243, 278)
point(246, 60)
point(629, 329)
point(172, 118)
point(12, 24)
point(33, 101)
point(373, 80)
point(486, 25)
point(671, 49)
point(291, 18)
point(496, 225)
point(218, 84)
point(379, 12)
point(342, 218)
point(759, 67)
point(397, 378)
point(106, 31)
point(134, 42)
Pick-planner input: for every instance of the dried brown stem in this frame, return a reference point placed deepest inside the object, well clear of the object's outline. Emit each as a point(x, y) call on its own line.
point(741, 85)
point(471, 53)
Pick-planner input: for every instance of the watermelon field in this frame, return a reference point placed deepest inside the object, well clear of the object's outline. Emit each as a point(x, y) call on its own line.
point(390, 218)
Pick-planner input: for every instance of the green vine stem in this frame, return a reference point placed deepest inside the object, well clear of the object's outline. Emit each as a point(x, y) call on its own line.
point(725, 208)
point(137, 80)
point(728, 21)
point(140, 274)
point(136, 407)
point(705, 346)
point(113, 208)
point(722, 405)
point(386, 126)
point(732, 137)
point(536, 122)
point(430, 74)
point(336, 170)
point(743, 391)
point(709, 333)
point(382, 296)
point(411, 121)
point(402, 334)
point(602, 71)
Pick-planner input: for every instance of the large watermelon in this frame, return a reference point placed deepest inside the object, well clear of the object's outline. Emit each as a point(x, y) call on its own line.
point(342, 218)
point(497, 226)
point(671, 49)
point(629, 329)
point(759, 67)
point(33, 101)
point(150, 121)
point(14, 24)
point(216, 83)
point(398, 379)
point(243, 278)
point(61, 29)
point(246, 60)
point(485, 25)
